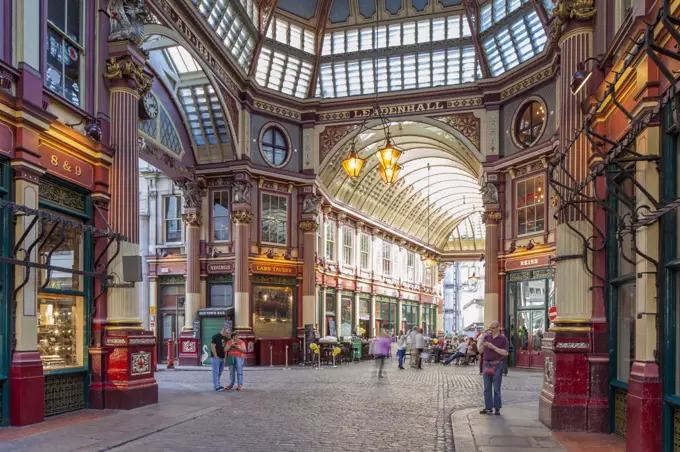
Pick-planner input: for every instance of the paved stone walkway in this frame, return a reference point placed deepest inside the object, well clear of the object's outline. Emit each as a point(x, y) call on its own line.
point(346, 408)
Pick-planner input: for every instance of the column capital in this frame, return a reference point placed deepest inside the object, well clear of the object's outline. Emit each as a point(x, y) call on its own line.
point(126, 69)
point(564, 12)
point(310, 204)
point(309, 226)
point(491, 217)
point(241, 217)
point(192, 219)
point(193, 192)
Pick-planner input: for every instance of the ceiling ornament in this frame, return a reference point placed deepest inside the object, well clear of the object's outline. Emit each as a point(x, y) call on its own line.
point(331, 136)
point(580, 10)
point(127, 20)
point(465, 123)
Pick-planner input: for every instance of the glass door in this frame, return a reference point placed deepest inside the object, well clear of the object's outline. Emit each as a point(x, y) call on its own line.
point(528, 301)
point(171, 326)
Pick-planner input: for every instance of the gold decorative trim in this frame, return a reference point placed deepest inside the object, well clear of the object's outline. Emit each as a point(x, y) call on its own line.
point(127, 69)
point(241, 217)
point(124, 322)
point(495, 216)
point(192, 219)
point(570, 329)
point(309, 226)
point(528, 82)
point(559, 320)
point(277, 110)
point(124, 328)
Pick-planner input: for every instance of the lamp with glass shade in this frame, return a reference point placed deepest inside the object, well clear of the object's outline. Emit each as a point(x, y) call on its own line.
point(389, 175)
point(353, 164)
point(388, 154)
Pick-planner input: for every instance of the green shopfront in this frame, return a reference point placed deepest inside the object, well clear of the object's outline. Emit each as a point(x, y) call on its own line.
point(5, 278)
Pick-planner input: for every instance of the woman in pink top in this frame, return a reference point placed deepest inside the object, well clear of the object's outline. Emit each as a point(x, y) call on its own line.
point(382, 347)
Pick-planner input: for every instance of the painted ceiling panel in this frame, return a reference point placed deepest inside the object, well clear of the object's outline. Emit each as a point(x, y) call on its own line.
point(306, 9)
point(393, 6)
point(339, 11)
point(367, 8)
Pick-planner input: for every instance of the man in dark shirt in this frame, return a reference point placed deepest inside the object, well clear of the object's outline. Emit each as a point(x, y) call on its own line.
point(495, 346)
point(217, 358)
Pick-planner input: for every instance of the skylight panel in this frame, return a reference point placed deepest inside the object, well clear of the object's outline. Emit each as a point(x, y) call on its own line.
point(394, 35)
point(282, 72)
point(204, 115)
point(499, 10)
point(366, 40)
point(438, 29)
point(182, 60)
point(309, 42)
point(485, 17)
point(515, 44)
point(399, 72)
point(292, 35)
point(453, 30)
point(352, 41)
point(229, 26)
point(409, 30)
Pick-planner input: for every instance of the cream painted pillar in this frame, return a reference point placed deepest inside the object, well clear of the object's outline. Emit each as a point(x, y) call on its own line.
point(400, 318)
point(153, 304)
point(204, 292)
point(647, 241)
point(309, 229)
point(491, 309)
point(192, 301)
point(242, 220)
point(26, 193)
point(322, 327)
point(371, 331)
point(355, 326)
point(338, 312)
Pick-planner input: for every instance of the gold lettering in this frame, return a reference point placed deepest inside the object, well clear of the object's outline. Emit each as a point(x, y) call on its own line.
point(54, 160)
point(67, 166)
point(420, 107)
point(78, 171)
point(410, 108)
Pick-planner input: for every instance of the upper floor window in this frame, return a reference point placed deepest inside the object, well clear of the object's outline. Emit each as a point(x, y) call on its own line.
point(221, 219)
point(274, 218)
point(347, 246)
point(530, 206)
point(173, 219)
point(64, 49)
point(274, 146)
point(221, 296)
point(387, 258)
point(428, 277)
point(330, 240)
point(364, 246)
point(410, 266)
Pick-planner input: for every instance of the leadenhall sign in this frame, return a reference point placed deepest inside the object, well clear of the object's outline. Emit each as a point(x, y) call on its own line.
point(399, 109)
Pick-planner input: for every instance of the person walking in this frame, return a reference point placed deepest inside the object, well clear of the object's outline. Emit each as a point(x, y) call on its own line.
point(217, 357)
point(495, 348)
point(236, 350)
point(383, 345)
point(401, 348)
point(420, 346)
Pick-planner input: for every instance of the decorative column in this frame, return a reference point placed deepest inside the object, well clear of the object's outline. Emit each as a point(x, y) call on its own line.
point(338, 311)
point(309, 227)
point(26, 380)
point(357, 303)
point(27, 397)
point(574, 395)
point(129, 374)
point(492, 219)
point(242, 220)
point(322, 327)
point(371, 331)
point(192, 193)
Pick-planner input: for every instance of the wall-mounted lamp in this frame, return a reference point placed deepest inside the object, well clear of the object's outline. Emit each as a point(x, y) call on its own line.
point(582, 75)
point(270, 254)
point(165, 253)
point(530, 245)
point(287, 256)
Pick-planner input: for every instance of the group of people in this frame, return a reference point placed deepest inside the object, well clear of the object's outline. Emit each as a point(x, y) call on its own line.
point(491, 345)
point(467, 349)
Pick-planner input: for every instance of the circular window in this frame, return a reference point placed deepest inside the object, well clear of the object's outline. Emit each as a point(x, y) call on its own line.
point(530, 122)
point(274, 146)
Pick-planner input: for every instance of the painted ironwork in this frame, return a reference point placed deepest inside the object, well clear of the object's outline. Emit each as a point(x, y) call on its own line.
point(620, 413)
point(64, 393)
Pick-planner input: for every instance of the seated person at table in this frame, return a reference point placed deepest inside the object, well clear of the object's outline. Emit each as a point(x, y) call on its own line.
point(439, 349)
point(461, 353)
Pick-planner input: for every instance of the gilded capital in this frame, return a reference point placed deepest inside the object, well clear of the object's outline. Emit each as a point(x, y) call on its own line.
point(491, 217)
point(565, 10)
point(124, 68)
point(309, 226)
point(192, 219)
point(241, 217)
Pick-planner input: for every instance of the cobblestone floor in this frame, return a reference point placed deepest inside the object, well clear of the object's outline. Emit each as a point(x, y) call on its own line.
point(346, 408)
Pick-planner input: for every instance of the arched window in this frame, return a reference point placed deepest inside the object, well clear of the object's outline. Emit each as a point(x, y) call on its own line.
point(274, 146)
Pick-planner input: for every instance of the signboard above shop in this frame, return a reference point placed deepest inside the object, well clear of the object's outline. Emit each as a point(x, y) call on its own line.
point(218, 268)
point(273, 269)
point(526, 262)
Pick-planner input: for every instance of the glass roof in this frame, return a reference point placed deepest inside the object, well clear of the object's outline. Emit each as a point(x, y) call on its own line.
point(426, 44)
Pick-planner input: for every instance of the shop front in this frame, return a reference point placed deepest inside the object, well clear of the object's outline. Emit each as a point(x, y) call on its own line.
point(171, 293)
point(429, 319)
point(364, 315)
point(386, 315)
point(530, 294)
point(346, 317)
point(329, 317)
point(274, 314)
point(64, 298)
point(218, 314)
point(409, 316)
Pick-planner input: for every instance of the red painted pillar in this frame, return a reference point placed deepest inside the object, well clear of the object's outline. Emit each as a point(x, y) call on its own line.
point(189, 350)
point(242, 220)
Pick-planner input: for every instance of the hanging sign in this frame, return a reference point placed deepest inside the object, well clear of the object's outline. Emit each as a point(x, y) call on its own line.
point(220, 268)
point(552, 313)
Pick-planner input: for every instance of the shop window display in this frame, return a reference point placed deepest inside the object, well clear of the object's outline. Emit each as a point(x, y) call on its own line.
point(346, 316)
point(60, 331)
point(273, 311)
point(64, 248)
point(365, 316)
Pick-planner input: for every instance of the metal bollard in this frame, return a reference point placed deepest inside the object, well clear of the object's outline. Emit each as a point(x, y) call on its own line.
point(271, 361)
point(286, 368)
point(334, 366)
point(171, 359)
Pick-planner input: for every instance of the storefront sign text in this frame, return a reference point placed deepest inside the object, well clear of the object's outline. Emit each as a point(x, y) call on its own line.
point(528, 262)
point(67, 166)
point(399, 109)
point(273, 269)
point(214, 269)
point(213, 313)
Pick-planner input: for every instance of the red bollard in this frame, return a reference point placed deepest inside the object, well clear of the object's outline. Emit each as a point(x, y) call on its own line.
point(154, 359)
point(171, 360)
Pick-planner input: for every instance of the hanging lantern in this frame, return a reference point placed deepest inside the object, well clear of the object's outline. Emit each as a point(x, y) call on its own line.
point(389, 175)
point(353, 164)
point(388, 155)
point(428, 261)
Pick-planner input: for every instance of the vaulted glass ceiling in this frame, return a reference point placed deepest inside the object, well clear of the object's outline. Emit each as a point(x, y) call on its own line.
point(414, 44)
